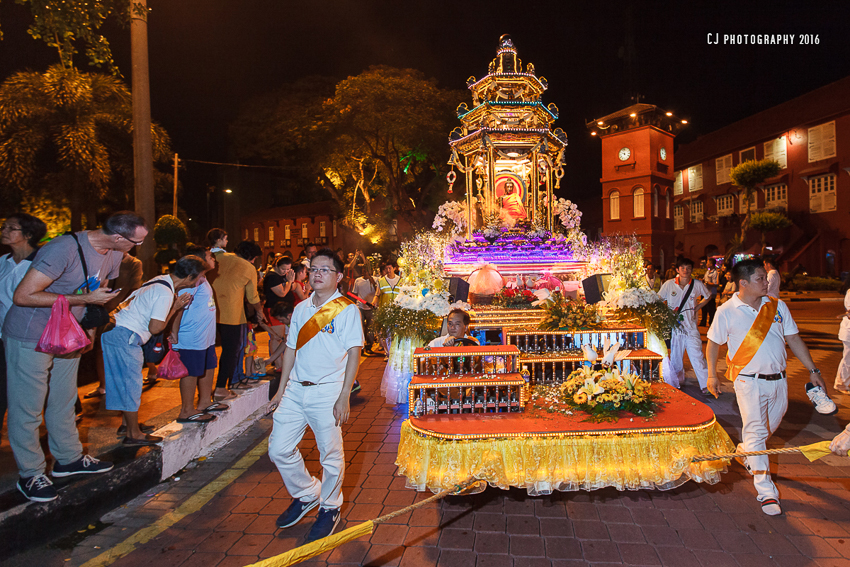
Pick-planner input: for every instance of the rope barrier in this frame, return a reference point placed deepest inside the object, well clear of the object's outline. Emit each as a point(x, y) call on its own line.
point(323, 545)
point(812, 452)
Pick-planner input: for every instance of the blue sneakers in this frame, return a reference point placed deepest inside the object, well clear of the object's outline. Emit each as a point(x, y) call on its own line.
point(295, 512)
point(37, 488)
point(325, 524)
point(86, 465)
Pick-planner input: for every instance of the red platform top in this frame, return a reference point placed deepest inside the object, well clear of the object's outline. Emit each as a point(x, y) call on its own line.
point(466, 351)
point(680, 412)
point(512, 378)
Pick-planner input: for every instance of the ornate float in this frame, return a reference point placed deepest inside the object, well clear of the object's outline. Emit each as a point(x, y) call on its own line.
point(514, 411)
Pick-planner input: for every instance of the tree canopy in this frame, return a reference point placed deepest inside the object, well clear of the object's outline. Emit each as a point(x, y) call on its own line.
point(66, 136)
point(747, 176)
point(381, 134)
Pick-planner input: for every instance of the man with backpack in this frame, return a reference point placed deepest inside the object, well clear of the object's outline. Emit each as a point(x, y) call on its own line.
point(77, 266)
point(145, 313)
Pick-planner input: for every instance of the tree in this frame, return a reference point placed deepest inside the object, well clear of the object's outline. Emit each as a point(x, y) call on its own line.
point(766, 221)
point(64, 134)
point(65, 24)
point(380, 134)
point(169, 233)
point(747, 176)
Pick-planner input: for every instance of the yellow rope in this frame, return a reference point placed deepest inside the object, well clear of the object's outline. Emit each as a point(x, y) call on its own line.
point(812, 452)
point(323, 545)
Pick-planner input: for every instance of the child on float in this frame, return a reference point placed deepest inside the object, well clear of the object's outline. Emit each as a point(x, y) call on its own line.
point(458, 325)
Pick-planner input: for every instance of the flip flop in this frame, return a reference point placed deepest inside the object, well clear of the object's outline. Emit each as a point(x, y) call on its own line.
point(197, 418)
point(225, 397)
point(215, 407)
point(96, 393)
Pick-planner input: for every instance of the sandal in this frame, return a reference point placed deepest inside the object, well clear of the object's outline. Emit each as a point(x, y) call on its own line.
point(96, 393)
point(146, 441)
point(122, 429)
point(224, 397)
point(215, 407)
point(197, 418)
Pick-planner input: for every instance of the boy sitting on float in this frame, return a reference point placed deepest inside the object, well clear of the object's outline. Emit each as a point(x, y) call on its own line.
point(458, 325)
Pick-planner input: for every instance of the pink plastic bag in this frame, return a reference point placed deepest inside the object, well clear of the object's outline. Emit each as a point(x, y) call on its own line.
point(62, 334)
point(171, 367)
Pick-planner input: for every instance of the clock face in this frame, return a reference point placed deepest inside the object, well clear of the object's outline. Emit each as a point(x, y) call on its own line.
point(663, 153)
point(624, 154)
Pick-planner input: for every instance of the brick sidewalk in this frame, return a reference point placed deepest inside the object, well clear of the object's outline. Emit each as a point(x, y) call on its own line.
point(695, 524)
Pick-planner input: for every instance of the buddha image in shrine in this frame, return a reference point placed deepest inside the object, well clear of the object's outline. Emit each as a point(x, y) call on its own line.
point(511, 199)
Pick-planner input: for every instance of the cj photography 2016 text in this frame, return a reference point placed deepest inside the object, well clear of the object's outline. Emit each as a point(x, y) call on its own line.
point(762, 39)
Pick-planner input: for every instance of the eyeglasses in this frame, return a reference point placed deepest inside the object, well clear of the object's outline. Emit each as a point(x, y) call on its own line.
point(323, 271)
point(130, 240)
point(10, 228)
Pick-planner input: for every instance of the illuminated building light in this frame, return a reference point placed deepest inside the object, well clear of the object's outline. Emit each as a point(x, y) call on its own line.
point(632, 114)
point(669, 114)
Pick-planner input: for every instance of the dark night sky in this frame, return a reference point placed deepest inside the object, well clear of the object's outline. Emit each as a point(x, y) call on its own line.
point(209, 56)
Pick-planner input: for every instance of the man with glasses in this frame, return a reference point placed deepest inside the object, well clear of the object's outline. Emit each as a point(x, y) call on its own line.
point(319, 366)
point(34, 377)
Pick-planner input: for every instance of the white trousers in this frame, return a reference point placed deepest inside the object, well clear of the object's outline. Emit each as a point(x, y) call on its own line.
point(762, 404)
point(303, 406)
point(842, 377)
point(673, 366)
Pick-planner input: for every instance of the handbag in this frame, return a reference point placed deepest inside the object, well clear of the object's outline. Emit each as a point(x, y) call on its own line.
point(157, 347)
point(62, 334)
point(172, 367)
point(95, 315)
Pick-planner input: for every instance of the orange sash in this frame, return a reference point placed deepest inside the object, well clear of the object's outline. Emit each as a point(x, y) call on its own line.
point(321, 319)
point(752, 342)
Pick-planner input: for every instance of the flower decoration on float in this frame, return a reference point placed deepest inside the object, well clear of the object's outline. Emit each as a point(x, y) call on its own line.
point(566, 314)
point(450, 218)
point(602, 394)
point(514, 298)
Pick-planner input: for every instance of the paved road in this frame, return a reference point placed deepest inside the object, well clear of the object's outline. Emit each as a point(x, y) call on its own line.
point(221, 512)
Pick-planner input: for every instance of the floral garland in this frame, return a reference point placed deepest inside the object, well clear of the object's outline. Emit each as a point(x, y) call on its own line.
point(602, 394)
point(407, 323)
point(515, 298)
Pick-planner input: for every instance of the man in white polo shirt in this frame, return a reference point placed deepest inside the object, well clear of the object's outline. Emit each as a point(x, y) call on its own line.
point(755, 328)
point(319, 366)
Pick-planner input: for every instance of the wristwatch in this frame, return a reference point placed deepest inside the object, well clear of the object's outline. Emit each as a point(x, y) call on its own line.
point(814, 371)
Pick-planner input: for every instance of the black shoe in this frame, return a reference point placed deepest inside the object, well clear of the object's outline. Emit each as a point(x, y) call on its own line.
point(37, 488)
point(295, 512)
point(86, 465)
point(325, 524)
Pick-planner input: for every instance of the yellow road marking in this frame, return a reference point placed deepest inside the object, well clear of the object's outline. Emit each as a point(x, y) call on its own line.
point(191, 506)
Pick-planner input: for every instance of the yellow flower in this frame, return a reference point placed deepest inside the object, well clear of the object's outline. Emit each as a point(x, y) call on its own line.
point(580, 398)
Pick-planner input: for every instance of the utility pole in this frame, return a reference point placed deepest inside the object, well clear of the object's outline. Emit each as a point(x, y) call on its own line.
point(142, 144)
point(176, 164)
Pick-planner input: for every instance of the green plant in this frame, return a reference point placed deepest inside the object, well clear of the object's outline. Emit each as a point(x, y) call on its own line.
point(765, 222)
point(746, 176)
point(169, 230)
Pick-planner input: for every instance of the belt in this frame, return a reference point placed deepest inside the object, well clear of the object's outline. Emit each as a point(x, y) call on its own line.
point(305, 383)
point(778, 376)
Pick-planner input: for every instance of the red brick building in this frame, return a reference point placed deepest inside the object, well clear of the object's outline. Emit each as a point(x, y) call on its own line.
point(810, 137)
point(638, 174)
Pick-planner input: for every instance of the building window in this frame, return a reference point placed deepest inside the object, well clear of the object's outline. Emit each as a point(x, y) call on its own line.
point(822, 142)
point(305, 234)
point(668, 199)
point(696, 211)
point(775, 149)
point(723, 169)
point(639, 204)
point(753, 203)
point(256, 235)
point(655, 201)
point(322, 231)
point(615, 205)
point(678, 217)
point(271, 234)
point(695, 178)
point(822, 193)
point(776, 196)
point(287, 232)
point(725, 205)
point(748, 155)
point(677, 185)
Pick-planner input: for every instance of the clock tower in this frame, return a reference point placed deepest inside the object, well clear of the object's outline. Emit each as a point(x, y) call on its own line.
point(637, 176)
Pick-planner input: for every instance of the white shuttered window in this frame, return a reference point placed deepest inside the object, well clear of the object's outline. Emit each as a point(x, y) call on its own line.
point(775, 149)
point(695, 178)
point(822, 141)
point(723, 169)
point(822, 193)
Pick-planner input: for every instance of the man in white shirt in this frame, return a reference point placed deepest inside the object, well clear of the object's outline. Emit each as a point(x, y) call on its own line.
point(773, 277)
point(686, 337)
point(145, 313)
point(319, 366)
point(760, 382)
point(457, 323)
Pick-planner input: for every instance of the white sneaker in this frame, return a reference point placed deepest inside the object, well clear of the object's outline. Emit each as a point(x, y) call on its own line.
point(821, 401)
point(771, 507)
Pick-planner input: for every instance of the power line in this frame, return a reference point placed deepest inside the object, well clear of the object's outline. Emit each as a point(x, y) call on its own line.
point(243, 164)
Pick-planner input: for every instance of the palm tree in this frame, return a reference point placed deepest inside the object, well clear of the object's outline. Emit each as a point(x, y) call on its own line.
point(63, 134)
